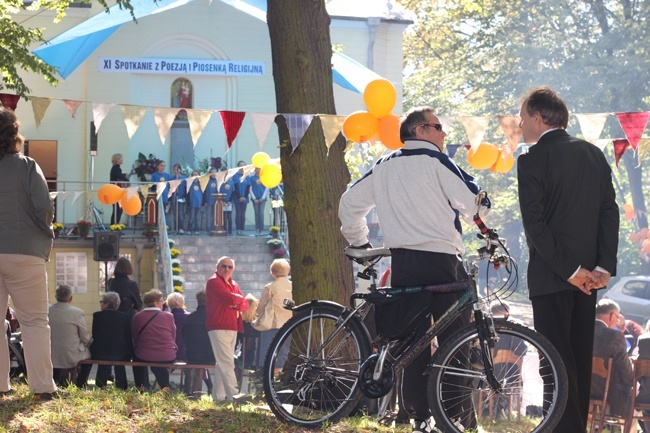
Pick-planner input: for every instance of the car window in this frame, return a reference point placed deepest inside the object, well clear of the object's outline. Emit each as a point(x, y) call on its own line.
point(636, 289)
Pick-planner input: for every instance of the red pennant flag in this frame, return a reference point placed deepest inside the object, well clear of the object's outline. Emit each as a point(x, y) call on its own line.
point(620, 146)
point(232, 121)
point(633, 125)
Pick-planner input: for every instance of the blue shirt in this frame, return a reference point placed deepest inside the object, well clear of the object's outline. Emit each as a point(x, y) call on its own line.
point(241, 188)
point(227, 188)
point(195, 195)
point(157, 177)
point(258, 190)
point(210, 189)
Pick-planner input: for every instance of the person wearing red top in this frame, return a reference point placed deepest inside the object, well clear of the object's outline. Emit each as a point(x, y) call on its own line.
point(225, 303)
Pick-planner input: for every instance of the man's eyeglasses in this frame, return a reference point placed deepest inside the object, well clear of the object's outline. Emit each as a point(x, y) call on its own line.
point(226, 266)
point(438, 126)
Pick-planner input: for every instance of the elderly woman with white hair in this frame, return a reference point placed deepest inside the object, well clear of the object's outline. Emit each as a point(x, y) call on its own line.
point(176, 304)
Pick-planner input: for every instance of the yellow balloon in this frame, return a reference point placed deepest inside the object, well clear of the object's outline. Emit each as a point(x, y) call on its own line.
point(132, 206)
point(379, 97)
point(110, 193)
point(260, 159)
point(271, 175)
point(483, 156)
point(360, 126)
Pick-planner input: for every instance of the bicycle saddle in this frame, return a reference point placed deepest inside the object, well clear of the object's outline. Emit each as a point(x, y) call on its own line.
point(367, 253)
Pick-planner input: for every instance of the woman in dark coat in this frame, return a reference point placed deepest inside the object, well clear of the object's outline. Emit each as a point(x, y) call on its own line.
point(116, 176)
point(111, 340)
point(127, 289)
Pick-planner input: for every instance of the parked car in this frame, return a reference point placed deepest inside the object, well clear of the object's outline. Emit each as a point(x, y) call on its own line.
point(632, 294)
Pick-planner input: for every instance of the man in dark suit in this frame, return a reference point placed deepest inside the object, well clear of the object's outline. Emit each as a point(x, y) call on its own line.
point(111, 340)
point(609, 342)
point(571, 222)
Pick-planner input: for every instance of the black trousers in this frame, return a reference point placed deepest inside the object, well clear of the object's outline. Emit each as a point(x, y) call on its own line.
point(417, 268)
point(103, 371)
point(141, 377)
point(567, 319)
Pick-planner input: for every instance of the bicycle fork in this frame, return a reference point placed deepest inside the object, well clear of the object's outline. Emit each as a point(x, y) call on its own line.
point(487, 338)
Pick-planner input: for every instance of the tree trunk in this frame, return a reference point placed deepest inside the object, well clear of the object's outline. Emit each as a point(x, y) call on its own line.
point(313, 180)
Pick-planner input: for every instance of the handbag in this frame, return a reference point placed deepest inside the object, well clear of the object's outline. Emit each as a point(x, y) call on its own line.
point(264, 321)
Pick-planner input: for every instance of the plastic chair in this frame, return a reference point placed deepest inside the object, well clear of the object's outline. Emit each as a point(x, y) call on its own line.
point(598, 408)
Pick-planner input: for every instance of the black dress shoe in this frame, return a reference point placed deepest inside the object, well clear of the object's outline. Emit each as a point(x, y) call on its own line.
point(47, 396)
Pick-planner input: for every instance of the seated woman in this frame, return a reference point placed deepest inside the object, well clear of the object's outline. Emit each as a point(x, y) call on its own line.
point(198, 346)
point(176, 303)
point(111, 340)
point(154, 339)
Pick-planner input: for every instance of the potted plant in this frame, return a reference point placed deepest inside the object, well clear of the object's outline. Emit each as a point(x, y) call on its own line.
point(83, 228)
point(144, 166)
point(149, 228)
point(117, 227)
point(274, 231)
point(174, 252)
point(57, 227)
point(277, 248)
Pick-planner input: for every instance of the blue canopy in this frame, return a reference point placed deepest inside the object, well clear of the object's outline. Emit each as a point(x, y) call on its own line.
point(72, 47)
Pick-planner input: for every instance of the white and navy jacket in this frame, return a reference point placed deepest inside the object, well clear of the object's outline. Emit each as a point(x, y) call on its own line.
point(419, 193)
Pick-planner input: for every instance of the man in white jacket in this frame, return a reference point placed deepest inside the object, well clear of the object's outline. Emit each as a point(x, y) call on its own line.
point(419, 193)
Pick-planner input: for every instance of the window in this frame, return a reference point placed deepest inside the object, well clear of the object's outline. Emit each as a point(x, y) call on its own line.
point(636, 289)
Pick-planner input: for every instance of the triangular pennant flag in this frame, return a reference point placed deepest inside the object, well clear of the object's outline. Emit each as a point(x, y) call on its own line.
point(160, 188)
point(602, 142)
point(53, 195)
point(77, 194)
point(164, 118)
point(446, 122)
point(100, 111)
point(332, 125)
point(198, 119)
point(64, 195)
point(230, 173)
point(144, 189)
point(203, 181)
point(232, 121)
point(510, 125)
point(452, 149)
point(644, 146)
point(297, 124)
point(475, 127)
point(133, 115)
point(39, 106)
point(173, 186)
point(620, 146)
point(72, 106)
point(592, 125)
point(131, 191)
point(633, 125)
point(221, 176)
point(262, 123)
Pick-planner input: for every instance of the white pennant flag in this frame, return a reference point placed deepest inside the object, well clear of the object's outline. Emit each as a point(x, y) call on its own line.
point(131, 191)
point(297, 124)
point(164, 118)
point(475, 126)
point(160, 188)
point(100, 111)
point(173, 186)
point(133, 115)
point(77, 194)
point(446, 122)
point(262, 123)
point(592, 125)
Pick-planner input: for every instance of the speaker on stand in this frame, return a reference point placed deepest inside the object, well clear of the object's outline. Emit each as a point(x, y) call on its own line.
point(106, 248)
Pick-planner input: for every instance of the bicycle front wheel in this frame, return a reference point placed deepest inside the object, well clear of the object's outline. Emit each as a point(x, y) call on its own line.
point(312, 367)
point(531, 374)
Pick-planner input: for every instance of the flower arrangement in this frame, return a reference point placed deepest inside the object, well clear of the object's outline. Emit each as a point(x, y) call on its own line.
point(177, 283)
point(218, 163)
point(149, 226)
point(145, 166)
point(279, 253)
point(174, 252)
point(176, 270)
point(117, 227)
point(277, 248)
point(83, 227)
point(274, 230)
point(57, 227)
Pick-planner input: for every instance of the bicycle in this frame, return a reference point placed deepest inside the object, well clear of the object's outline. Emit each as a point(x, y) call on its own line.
point(322, 360)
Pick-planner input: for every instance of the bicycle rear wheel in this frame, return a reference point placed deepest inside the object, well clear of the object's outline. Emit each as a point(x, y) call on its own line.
point(528, 367)
point(309, 380)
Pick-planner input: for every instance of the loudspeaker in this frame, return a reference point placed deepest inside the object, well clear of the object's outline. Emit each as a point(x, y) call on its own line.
point(106, 246)
point(93, 137)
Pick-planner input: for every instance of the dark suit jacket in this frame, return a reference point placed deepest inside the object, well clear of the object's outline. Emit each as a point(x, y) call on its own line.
point(568, 210)
point(130, 298)
point(111, 336)
point(643, 344)
point(610, 343)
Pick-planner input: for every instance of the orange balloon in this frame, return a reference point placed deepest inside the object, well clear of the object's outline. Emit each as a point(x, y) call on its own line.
point(389, 132)
point(360, 126)
point(504, 165)
point(628, 216)
point(645, 246)
point(628, 208)
point(635, 237)
point(110, 193)
point(132, 206)
point(483, 156)
point(379, 97)
point(644, 232)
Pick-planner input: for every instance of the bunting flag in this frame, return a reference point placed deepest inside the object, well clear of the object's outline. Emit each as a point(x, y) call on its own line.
point(133, 115)
point(53, 195)
point(262, 123)
point(198, 119)
point(77, 194)
point(510, 125)
point(164, 118)
point(620, 146)
point(602, 142)
point(446, 123)
point(297, 124)
point(100, 111)
point(173, 186)
point(72, 106)
point(64, 195)
point(203, 181)
point(591, 125)
point(144, 189)
point(452, 149)
point(232, 121)
point(221, 176)
point(633, 125)
point(188, 183)
point(39, 106)
point(160, 188)
point(131, 191)
point(332, 125)
point(475, 127)
point(644, 146)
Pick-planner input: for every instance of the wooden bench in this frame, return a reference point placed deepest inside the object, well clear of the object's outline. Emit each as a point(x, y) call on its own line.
point(182, 366)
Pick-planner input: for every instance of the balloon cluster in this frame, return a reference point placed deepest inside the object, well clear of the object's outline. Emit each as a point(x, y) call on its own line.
point(487, 155)
point(111, 194)
point(642, 237)
point(270, 173)
point(378, 122)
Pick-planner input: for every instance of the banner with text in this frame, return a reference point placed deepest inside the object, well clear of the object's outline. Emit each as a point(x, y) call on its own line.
point(176, 66)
